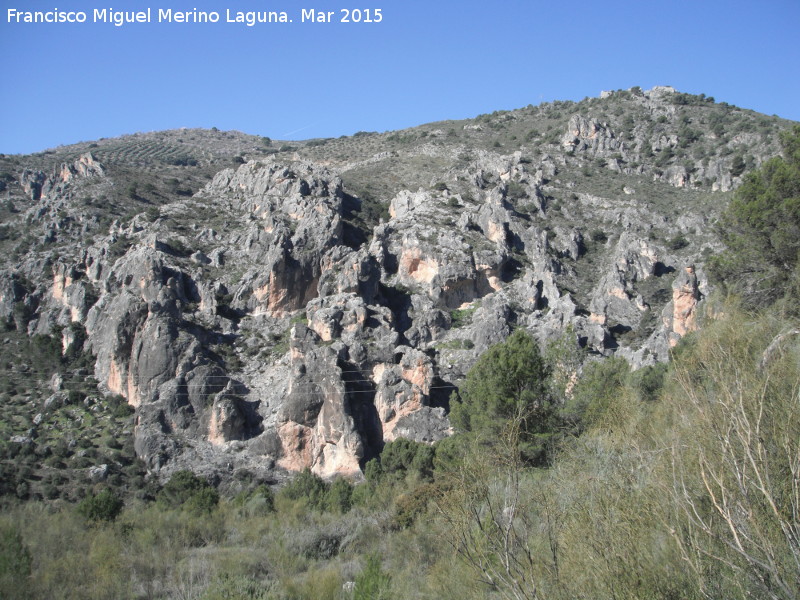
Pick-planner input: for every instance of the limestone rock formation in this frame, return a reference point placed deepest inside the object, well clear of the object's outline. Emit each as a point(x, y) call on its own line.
point(685, 297)
point(309, 305)
point(38, 184)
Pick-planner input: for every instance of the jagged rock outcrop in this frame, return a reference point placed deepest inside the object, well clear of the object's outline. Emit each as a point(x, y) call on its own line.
point(439, 264)
point(402, 398)
point(297, 220)
point(303, 309)
point(317, 427)
point(589, 135)
point(614, 299)
point(38, 184)
point(228, 420)
point(682, 318)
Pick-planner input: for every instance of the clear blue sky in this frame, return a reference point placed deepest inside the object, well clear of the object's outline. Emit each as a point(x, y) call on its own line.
point(427, 61)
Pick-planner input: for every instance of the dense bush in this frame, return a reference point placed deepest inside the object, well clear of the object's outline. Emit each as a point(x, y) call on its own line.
point(307, 487)
point(187, 490)
point(412, 505)
point(15, 564)
point(595, 393)
point(404, 457)
point(689, 465)
point(104, 506)
point(339, 496)
point(256, 502)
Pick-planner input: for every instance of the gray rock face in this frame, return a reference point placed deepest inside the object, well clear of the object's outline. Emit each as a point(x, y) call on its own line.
point(402, 398)
point(228, 421)
point(385, 325)
point(303, 311)
point(317, 425)
point(38, 184)
point(614, 299)
point(589, 135)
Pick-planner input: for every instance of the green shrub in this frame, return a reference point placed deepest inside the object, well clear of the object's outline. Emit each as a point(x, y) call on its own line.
point(678, 242)
point(316, 544)
point(187, 490)
point(457, 344)
point(461, 316)
point(595, 392)
point(398, 455)
point(736, 434)
point(104, 506)
point(510, 383)
point(373, 583)
point(408, 507)
point(508, 379)
point(15, 564)
point(373, 470)
point(203, 500)
point(599, 236)
point(235, 587)
point(738, 165)
point(258, 502)
point(339, 496)
point(449, 453)
point(307, 487)
point(404, 457)
point(122, 410)
point(649, 381)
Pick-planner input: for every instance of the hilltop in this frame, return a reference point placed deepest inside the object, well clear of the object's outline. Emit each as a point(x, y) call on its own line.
point(245, 307)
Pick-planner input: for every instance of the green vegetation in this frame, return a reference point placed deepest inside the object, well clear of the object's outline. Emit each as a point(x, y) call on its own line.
point(461, 316)
point(678, 242)
point(373, 583)
point(457, 344)
point(672, 481)
point(508, 383)
point(15, 563)
point(104, 506)
point(568, 476)
point(187, 491)
point(51, 442)
point(668, 473)
point(761, 229)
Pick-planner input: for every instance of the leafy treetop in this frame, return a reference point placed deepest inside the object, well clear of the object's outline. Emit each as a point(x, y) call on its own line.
point(508, 385)
point(761, 229)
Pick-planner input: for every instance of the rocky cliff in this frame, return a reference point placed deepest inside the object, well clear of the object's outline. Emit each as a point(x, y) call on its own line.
point(309, 303)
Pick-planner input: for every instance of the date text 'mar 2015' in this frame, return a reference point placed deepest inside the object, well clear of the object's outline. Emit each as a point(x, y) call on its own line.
point(345, 15)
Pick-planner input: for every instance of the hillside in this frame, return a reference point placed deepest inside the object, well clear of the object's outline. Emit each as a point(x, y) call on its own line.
point(244, 307)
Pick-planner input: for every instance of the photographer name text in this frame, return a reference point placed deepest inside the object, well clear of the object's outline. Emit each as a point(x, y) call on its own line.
point(120, 18)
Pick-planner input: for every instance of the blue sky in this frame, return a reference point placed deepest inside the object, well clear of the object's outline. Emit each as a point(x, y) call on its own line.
point(64, 83)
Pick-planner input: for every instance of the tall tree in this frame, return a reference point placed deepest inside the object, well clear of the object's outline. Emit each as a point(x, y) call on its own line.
point(761, 229)
point(508, 384)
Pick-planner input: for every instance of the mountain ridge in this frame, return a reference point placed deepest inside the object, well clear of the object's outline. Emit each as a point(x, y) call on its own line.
point(268, 306)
